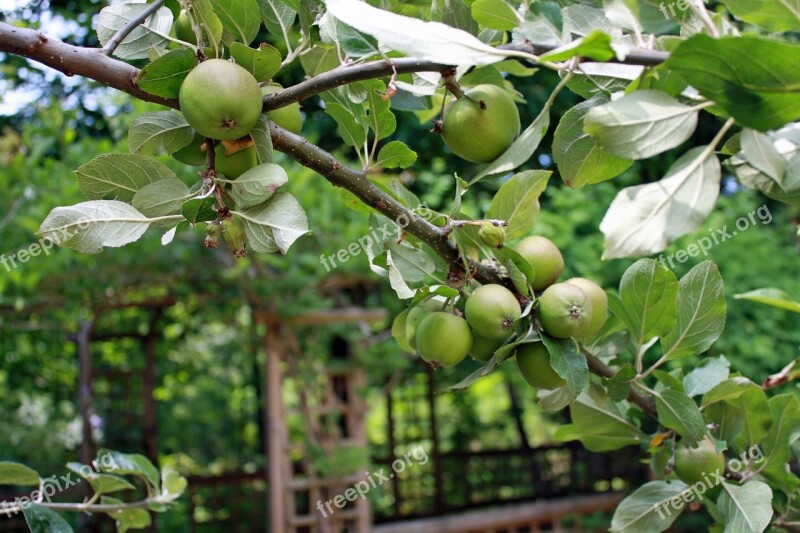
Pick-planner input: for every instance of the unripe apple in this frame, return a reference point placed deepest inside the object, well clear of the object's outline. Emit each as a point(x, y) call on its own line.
point(491, 311)
point(288, 117)
point(565, 311)
point(481, 124)
point(234, 165)
point(545, 258)
point(443, 339)
point(533, 361)
point(599, 301)
point(220, 99)
point(183, 28)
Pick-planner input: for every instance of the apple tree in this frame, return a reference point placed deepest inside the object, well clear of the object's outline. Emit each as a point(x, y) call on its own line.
point(647, 72)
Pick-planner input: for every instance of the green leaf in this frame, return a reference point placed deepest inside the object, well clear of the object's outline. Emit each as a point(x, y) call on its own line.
point(257, 185)
point(619, 385)
point(761, 154)
point(641, 124)
point(130, 463)
point(495, 14)
point(454, 13)
point(159, 133)
point(413, 263)
point(596, 46)
point(144, 37)
point(319, 59)
point(705, 377)
point(772, 15)
point(89, 226)
point(669, 380)
point(262, 139)
point(600, 424)
point(275, 224)
point(199, 210)
point(644, 219)
point(742, 403)
point(127, 519)
point(395, 154)
point(262, 63)
point(173, 484)
point(640, 511)
point(763, 95)
point(397, 280)
point(746, 508)
point(18, 474)
point(164, 76)
point(568, 362)
point(579, 157)
point(678, 412)
point(119, 175)
point(701, 313)
point(399, 331)
point(101, 483)
point(517, 202)
point(648, 294)
point(785, 431)
point(774, 297)
point(352, 42)
point(278, 17)
point(43, 520)
point(519, 269)
point(239, 18)
point(162, 198)
point(381, 120)
point(209, 23)
point(352, 132)
point(521, 150)
point(423, 40)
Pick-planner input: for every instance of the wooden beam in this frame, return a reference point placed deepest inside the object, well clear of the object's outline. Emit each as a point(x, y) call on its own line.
point(325, 317)
point(528, 514)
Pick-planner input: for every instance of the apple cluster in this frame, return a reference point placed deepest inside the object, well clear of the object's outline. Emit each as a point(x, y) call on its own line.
point(576, 308)
point(222, 101)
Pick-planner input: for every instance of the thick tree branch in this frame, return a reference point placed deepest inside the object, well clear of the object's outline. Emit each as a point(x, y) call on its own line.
point(90, 63)
point(358, 183)
point(124, 31)
point(596, 366)
point(348, 74)
point(376, 69)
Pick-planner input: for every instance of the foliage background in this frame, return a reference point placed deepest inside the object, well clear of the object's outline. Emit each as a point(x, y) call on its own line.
point(208, 379)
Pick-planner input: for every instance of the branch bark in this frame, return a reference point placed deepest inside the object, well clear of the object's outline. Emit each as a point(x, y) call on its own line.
point(323, 163)
point(596, 366)
point(94, 64)
point(72, 60)
point(376, 69)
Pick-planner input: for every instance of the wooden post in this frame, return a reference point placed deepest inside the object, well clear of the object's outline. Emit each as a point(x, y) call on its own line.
point(438, 498)
point(148, 401)
point(83, 342)
point(274, 424)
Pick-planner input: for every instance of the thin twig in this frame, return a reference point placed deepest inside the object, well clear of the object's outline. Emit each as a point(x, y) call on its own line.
point(124, 31)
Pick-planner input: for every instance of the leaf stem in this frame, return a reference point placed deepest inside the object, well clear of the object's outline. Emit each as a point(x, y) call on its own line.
point(699, 9)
